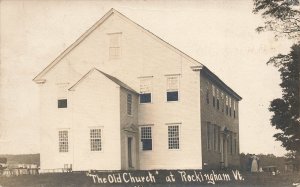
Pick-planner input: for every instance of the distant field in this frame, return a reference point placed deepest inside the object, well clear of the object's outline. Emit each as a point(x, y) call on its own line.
point(80, 179)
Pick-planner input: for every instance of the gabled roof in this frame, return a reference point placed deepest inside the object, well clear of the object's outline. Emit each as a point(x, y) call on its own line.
point(112, 11)
point(195, 65)
point(114, 79)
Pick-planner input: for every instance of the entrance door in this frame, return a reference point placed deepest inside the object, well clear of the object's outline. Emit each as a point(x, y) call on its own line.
point(224, 152)
point(129, 144)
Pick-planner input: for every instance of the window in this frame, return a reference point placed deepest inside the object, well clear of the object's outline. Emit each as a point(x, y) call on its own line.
point(229, 106)
point(219, 139)
point(207, 96)
point(115, 45)
point(230, 142)
point(218, 101)
point(62, 94)
point(173, 136)
point(146, 138)
point(95, 139)
point(129, 104)
point(145, 90)
point(63, 141)
point(226, 100)
point(222, 101)
point(214, 95)
point(234, 108)
point(235, 143)
point(216, 137)
point(208, 135)
point(62, 103)
point(172, 88)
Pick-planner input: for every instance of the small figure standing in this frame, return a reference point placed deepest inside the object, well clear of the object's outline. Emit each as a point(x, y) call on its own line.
point(254, 164)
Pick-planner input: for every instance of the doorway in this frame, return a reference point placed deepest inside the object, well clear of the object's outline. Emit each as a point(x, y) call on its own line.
point(129, 148)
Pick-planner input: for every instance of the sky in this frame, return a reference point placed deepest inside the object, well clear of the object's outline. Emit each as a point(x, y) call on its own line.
point(218, 33)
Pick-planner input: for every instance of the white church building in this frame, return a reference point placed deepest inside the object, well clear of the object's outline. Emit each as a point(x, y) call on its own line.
point(122, 98)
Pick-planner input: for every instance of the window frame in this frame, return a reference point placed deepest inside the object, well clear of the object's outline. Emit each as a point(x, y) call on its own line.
point(150, 78)
point(216, 137)
point(230, 106)
point(226, 104)
point(207, 96)
point(129, 104)
point(169, 90)
point(235, 150)
point(62, 99)
point(218, 99)
point(101, 139)
point(141, 138)
point(214, 96)
point(63, 143)
point(119, 46)
point(222, 101)
point(235, 108)
point(219, 139)
point(179, 136)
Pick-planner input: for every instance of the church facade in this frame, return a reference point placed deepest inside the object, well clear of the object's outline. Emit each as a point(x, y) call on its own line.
point(122, 98)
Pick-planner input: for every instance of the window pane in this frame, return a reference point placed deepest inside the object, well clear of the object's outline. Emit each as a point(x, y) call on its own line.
point(95, 139)
point(63, 141)
point(207, 96)
point(114, 45)
point(145, 98)
point(62, 103)
point(147, 144)
point(129, 104)
point(208, 135)
point(172, 96)
point(173, 137)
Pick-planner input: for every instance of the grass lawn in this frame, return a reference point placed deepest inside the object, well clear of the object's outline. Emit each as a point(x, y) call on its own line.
point(80, 179)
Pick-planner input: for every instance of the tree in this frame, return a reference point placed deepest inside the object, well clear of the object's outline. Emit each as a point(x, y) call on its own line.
point(282, 17)
point(291, 160)
point(286, 109)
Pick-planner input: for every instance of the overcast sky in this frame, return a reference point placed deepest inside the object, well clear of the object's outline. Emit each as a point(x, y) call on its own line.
point(219, 34)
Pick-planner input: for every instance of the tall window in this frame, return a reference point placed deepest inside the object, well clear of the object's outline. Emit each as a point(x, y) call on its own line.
point(207, 96)
point(231, 142)
point(214, 95)
point(145, 90)
point(218, 101)
point(219, 139)
point(222, 102)
point(226, 99)
point(230, 105)
point(146, 138)
point(173, 136)
point(235, 143)
point(234, 108)
point(216, 137)
point(129, 104)
point(95, 139)
point(63, 141)
point(62, 94)
point(115, 45)
point(172, 88)
point(209, 136)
